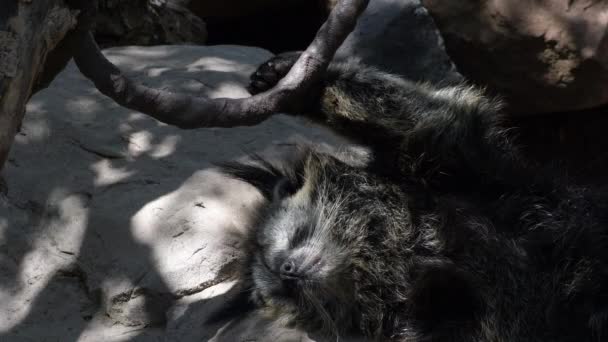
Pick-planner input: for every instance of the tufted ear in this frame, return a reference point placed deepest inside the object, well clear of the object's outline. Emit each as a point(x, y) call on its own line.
point(275, 180)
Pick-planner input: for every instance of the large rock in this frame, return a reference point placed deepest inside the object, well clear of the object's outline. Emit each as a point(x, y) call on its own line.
point(399, 36)
point(147, 22)
point(112, 225)
point(543, 56)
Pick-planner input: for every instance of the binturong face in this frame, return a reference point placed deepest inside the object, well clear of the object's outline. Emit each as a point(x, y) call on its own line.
point(326, 250)
point(301, 267)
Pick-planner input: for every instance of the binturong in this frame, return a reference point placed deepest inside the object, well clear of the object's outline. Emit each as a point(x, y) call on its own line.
point(441, 233)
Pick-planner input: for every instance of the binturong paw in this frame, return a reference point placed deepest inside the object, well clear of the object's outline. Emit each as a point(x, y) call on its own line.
point(271, 72)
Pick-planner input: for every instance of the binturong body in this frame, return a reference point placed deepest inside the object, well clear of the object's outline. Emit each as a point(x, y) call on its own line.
point(441, 233)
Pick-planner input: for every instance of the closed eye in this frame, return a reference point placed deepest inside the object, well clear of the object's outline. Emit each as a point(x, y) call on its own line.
point(301, 233)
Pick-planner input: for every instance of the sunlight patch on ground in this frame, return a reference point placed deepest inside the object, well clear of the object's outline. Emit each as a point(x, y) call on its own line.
point(106, 174)
point(142, 143)
point(59, 242)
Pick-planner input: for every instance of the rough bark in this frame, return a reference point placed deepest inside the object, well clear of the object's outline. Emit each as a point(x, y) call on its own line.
point(29, 30)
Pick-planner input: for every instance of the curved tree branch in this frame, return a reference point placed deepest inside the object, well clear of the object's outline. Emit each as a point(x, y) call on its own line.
point(189, 112)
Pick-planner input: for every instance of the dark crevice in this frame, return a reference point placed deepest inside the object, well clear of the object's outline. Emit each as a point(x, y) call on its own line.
point(278, 29)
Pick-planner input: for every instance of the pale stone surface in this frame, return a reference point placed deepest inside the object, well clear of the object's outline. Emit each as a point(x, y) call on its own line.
point(115, 227)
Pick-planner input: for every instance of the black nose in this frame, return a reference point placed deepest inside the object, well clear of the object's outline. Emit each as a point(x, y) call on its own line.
point(289, 270)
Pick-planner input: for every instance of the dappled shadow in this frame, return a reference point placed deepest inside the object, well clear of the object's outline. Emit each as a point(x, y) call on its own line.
point(519, 67)
point(542, 56)
point(112, 212)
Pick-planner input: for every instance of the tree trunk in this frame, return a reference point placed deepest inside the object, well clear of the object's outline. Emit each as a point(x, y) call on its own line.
point(29, 30)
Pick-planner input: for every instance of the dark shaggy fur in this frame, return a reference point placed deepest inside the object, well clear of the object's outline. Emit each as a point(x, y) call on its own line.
point(444, 234)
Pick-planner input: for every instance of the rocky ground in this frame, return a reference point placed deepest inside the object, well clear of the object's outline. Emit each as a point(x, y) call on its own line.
point(114, 227)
